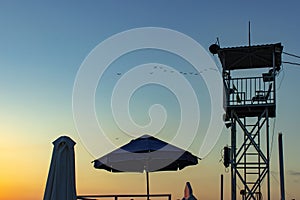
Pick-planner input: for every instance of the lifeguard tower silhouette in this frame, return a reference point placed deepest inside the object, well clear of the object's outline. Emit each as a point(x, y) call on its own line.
point(249, 103)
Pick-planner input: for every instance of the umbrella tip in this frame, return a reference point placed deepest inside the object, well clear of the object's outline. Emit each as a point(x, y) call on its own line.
point(64, 139)
point(146, 136)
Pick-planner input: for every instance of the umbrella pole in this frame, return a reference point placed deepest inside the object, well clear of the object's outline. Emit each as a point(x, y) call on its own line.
point(147, 178)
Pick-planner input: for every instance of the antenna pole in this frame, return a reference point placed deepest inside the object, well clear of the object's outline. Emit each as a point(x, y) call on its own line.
point(249, 34)
point(222, 188)
point(281, 168)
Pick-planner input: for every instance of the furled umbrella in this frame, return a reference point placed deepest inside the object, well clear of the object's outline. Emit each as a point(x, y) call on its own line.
point(148, 154)
point(61, 178)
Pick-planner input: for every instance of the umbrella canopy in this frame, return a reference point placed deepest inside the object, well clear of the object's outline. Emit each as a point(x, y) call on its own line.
point(146, 153)
point(61, 178)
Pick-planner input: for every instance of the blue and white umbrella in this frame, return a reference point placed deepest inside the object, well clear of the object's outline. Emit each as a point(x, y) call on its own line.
point(148, 154)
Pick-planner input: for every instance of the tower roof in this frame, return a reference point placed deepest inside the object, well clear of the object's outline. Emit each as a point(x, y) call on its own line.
point(247, 57)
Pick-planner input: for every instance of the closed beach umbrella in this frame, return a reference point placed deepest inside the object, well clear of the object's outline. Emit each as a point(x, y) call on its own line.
point(148, 154)
point(61, 178)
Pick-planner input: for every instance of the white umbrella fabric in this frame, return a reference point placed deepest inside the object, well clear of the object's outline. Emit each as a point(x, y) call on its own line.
point(61, 178)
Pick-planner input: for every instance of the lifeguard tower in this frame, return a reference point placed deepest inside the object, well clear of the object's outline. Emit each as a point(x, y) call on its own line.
point(249, 103)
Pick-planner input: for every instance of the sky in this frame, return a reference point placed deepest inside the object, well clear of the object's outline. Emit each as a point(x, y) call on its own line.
point(43, 46)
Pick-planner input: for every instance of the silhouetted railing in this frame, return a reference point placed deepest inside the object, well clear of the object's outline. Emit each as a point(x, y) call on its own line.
point(249, 91)
point(116, 197)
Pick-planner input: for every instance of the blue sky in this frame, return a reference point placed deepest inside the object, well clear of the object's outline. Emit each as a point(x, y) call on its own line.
point(43, 44)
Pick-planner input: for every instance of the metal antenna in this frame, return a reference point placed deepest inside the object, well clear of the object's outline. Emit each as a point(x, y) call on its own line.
point(249, 34)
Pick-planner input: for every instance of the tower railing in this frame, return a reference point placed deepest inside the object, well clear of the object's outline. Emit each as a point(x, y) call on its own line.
point(249, 91)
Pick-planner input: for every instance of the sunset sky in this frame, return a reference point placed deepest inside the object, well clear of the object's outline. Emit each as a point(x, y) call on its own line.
point(43, 45)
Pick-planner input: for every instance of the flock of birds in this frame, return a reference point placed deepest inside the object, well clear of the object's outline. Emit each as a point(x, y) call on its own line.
point(172, 71)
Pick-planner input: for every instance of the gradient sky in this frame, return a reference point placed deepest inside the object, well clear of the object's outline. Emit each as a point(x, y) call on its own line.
point(42, 46)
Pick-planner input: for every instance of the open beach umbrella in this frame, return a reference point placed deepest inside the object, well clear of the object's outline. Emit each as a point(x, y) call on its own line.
point(60, 183)
point(148, 154)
